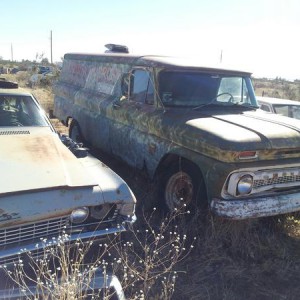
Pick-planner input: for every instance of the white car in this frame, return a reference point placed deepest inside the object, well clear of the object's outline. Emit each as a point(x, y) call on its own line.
point(284, 107)
point(50, 185)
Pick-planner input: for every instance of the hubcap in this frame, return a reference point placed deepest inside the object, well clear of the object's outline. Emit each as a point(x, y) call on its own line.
point(179, 190)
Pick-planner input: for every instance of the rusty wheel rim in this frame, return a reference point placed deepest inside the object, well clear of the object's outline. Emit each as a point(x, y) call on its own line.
point(179, 191)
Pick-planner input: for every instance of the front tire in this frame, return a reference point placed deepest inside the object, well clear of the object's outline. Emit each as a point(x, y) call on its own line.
point(75, 132)
point(182, 187)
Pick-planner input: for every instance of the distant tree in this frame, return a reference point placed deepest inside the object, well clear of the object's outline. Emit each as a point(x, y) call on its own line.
point(39, 56)
point(45, 61)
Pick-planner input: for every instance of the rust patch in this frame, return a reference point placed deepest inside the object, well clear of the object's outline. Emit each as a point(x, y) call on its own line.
point(6, 217)
point(152, 149)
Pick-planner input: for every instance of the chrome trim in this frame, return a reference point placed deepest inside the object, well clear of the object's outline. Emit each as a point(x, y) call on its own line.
point(18, 250)
point(97, 281)
point(21, 233)
point(264, 180)
point(256, 207)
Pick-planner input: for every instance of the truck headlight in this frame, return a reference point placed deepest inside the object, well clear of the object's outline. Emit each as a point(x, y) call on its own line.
point(244, 185)
point(79, 215)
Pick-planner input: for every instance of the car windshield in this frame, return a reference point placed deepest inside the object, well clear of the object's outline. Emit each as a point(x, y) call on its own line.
point(292, 111)
point(195, 89)
point(20, 110)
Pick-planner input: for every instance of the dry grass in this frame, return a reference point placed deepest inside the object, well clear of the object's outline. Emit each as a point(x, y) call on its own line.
point(277, 88)
point(254, 259)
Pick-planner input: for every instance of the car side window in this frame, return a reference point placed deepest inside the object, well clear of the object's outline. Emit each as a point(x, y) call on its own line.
point(265, 107)
point(142, 89)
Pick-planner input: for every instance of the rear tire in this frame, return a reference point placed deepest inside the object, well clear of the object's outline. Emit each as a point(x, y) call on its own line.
point(182, 187)
point(75, 132)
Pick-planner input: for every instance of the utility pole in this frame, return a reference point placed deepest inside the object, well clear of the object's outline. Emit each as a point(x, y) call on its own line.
point(11, 52)
point(51, 46)
point(221, 56)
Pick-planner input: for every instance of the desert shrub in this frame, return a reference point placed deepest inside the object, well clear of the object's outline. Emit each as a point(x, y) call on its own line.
point(47, 81)
point(145, 263)
point(22, 78)
point(151, 253)
point(59, 272)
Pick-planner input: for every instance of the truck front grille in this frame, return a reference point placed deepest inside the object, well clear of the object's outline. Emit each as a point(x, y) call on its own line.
point(272, 181)
point(279, 178)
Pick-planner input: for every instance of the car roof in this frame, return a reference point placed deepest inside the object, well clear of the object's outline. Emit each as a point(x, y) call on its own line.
point(279, 101)
point(17, 91)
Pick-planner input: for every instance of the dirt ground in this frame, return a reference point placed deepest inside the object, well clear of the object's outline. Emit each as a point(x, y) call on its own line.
point(252, 259)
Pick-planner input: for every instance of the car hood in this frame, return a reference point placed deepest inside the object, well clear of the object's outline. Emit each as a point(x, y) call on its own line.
point(37, 159)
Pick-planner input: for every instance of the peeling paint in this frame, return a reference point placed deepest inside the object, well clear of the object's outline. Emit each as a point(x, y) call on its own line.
point(9, 216)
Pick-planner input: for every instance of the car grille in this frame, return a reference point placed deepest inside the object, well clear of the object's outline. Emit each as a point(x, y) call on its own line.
point(45, 231)
point(35, 231)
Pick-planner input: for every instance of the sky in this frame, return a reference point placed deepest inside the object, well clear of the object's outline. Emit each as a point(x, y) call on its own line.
point(260, 36)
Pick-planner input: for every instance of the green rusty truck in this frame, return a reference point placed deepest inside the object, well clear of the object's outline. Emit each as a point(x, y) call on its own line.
point(197, 130)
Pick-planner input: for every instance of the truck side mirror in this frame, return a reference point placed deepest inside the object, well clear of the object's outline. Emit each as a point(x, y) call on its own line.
point(125, 85)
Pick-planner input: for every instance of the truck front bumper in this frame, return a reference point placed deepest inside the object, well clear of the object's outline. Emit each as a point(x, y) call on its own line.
point(256, 207)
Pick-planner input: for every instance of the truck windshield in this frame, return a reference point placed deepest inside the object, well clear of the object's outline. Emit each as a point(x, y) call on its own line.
point(194, 89)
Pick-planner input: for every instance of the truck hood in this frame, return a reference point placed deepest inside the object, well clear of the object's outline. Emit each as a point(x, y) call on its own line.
point(224, 135)
point(37, 159)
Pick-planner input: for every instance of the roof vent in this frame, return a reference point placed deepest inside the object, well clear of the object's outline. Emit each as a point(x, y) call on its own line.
point(4, 84)
point(114, 48)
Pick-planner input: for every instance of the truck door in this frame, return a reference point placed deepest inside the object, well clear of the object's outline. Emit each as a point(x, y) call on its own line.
point(132, 115)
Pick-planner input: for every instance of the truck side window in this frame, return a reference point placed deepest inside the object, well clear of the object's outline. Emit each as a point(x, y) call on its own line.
point(142, 90)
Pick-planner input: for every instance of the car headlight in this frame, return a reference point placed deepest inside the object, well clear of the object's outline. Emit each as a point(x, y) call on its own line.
point(244, 185)
point(79, 215)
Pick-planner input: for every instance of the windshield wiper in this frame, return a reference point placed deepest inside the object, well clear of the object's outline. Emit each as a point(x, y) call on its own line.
point(214, 100)
point(215, 103)
point(226, 104)
point(244, 105)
